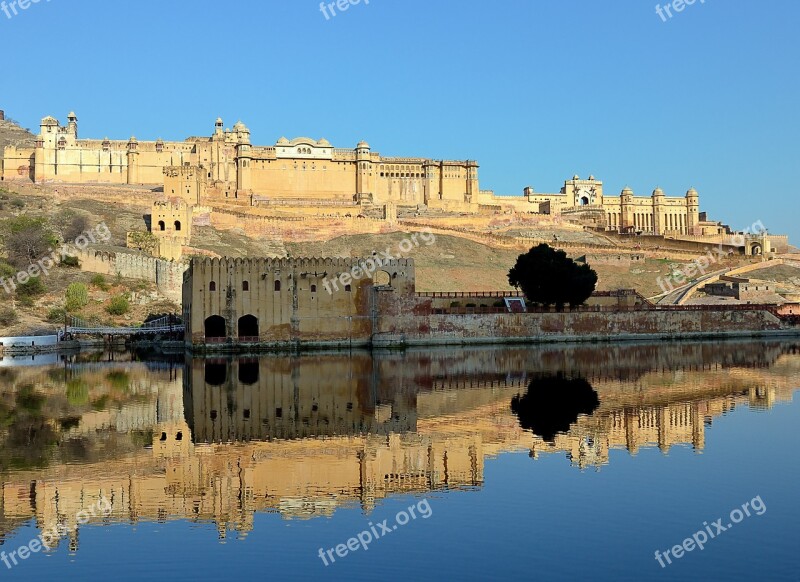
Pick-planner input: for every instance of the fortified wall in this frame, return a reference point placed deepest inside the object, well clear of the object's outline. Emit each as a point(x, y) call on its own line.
point(167, 275)
point(286, 299)
point(243, 304)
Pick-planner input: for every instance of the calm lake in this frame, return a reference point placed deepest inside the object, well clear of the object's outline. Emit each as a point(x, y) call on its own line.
point(663, 461)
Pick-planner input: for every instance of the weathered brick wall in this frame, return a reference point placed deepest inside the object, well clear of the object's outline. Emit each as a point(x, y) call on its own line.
point(167, 275)
point(507, 326)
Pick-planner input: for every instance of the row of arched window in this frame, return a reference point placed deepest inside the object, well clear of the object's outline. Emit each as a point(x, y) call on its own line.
point(162, 225)
point(402, 175)
point(212, 286)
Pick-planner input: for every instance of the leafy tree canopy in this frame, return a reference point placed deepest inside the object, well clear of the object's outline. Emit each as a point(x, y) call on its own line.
point(548, 277)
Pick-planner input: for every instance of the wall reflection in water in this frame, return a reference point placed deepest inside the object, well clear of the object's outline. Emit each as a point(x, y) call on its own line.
point(215, 440)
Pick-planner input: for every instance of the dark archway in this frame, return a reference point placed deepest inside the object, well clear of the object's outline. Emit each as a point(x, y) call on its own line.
point(161, 225)
point(248, 372)
point(177, 225)
point(553, 403)
point(584, 201)
point(216, 327)
point(248, 327)
point(216, 372)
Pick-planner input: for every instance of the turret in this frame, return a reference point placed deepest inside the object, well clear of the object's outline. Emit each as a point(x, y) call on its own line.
point(133, 161)
point(692, 210)
point(364, 174)
point(243, 158)
point(658, 211)
point(242, 133)
point(472, 181)
point(72, 124)
point(626, 208)
point(48, 130)
point(39, 160)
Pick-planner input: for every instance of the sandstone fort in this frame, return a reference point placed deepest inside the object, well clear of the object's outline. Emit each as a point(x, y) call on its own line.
point(302, 172)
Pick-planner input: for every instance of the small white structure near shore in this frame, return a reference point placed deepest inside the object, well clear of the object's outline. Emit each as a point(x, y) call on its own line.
point(33, 342)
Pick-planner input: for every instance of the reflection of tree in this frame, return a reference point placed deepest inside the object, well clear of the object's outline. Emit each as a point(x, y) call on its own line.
point(552, 403)
point(38, 422)
point(29, 435)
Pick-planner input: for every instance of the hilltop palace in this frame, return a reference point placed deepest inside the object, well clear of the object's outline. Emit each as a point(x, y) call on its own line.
point(226, 167)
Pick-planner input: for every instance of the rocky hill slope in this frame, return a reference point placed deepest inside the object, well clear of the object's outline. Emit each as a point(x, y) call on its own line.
point(12, 134)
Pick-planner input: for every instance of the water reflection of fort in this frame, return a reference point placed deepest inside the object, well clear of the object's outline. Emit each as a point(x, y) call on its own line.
point(302, 436)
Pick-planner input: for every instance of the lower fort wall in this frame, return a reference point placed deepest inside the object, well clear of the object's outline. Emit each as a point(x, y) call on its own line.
point(167, 275)
point(413, 320)
point(571, 326)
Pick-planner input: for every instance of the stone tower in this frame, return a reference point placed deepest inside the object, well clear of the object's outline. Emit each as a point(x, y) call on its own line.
point(626, 208)
point(244, 160)
point(364, 173)
point(658, 211)
point(72, 124)
point(692, 211)
point(472, 181)
point(133, 161)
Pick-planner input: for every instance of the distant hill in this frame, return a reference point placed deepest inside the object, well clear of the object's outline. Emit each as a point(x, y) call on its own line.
point(12, 134)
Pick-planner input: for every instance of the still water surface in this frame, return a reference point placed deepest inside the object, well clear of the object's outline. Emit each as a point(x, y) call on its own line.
point(550, 463)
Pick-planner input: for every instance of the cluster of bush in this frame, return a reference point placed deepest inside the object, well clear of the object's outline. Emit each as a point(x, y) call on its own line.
point(24, 240)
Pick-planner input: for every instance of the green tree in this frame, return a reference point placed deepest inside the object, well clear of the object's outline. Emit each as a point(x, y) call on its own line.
point(29, 290)
point(119, 305)
point(77, 296)
point(26, 240)
point(548, 277)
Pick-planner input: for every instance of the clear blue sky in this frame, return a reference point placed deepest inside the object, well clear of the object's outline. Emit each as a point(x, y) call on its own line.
point(535, 90)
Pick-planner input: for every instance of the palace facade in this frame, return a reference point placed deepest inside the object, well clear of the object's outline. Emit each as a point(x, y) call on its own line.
point(302, 172)
point(227, 165)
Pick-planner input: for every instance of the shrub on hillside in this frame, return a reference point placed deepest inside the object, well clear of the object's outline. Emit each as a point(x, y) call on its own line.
point(77, 296)
point(8, 316)
point(69, 261)
point(56, 315)
point(6, 270)
point(30, 290)
point(100, 282)
point(119, 305)
point(70, 225)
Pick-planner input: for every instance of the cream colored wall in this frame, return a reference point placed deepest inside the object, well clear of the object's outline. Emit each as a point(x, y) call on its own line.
point(17, 164)
point(298, 178)
point(295, 309)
